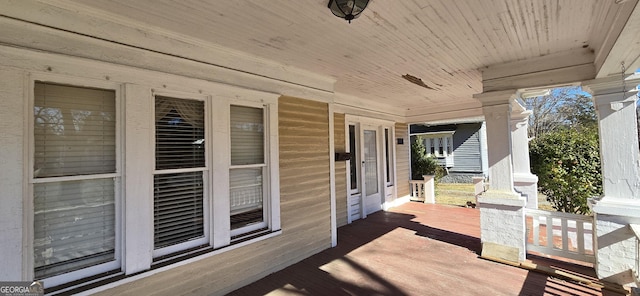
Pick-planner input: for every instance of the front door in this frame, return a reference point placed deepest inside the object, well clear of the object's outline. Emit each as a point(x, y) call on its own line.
point(370, 170)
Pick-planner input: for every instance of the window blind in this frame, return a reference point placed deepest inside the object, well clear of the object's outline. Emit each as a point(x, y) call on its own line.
point(247, 135)
point(178, 208)
point(74, 131)
point(74, 220)
point(178, 196)
point(179, 133)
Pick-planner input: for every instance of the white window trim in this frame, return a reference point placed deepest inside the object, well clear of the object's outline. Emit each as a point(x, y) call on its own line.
point(28, 208)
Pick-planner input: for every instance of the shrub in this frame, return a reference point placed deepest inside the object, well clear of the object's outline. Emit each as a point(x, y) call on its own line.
point(567, 163)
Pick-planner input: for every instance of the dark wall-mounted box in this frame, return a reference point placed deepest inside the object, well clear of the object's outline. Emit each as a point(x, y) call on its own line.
point(342, 156)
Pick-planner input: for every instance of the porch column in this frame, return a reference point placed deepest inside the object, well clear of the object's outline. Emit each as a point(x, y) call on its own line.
point(619, 205)
point(524, 181)
point(502, 222)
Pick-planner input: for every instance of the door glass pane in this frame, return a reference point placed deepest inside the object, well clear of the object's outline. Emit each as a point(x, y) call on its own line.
point(353, 161)
point(386, 154)
point(370, 162)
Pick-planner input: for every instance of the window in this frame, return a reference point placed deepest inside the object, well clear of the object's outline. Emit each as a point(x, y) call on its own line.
point(75, 182)
point(180, 173)
point(199, 177)
point(439, 145)
point(246, 186)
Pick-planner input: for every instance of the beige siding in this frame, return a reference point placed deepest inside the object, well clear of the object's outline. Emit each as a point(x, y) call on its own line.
point(305, 215)
point(402, 159)
point(341, 166)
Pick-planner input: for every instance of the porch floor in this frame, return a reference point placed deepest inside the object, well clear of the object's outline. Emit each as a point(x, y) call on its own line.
point(414, 249)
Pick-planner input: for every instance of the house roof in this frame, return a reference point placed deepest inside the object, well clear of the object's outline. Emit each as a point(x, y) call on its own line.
point(422, 60)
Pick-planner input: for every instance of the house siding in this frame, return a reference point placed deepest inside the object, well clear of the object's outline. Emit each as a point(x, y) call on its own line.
point(340, 170)
point(402, 159)
point(466, 144)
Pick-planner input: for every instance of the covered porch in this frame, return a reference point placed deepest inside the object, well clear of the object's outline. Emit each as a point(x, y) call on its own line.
point(417, 249)
point(329, 103)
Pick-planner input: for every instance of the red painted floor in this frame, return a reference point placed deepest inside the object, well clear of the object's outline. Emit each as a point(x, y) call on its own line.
point(415, 249)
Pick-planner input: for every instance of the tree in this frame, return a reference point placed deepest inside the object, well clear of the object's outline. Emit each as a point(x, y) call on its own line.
point(567, 106)
point(421, 163)
point(567, 162)
point(565, 151)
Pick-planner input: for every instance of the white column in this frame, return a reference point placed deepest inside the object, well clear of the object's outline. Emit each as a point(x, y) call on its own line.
point(524, 181)
point(619, 205)
point(502, 221)
point(429, 189)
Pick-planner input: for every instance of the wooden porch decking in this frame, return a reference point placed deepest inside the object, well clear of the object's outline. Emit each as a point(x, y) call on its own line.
point(414, 249)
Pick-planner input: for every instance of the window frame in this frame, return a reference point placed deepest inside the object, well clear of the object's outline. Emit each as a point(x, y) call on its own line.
point(31, 180)
point(238, 233)
point(206, 172)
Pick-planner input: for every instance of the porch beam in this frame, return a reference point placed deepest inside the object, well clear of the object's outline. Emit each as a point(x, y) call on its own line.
point(554, 69)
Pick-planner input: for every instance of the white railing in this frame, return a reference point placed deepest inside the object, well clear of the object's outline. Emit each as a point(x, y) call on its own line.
point(417, 189)
point(560, 234)
point(636, 230)
point(423, 190)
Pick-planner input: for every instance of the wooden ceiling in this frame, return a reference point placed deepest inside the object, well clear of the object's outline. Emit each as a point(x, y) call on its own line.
point(444, 43)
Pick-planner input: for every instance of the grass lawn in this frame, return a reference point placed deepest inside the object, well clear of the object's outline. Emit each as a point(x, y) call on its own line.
point(458, 194)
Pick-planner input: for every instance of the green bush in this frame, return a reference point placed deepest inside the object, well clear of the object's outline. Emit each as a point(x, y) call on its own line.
point(567, 163)
point(421, 164)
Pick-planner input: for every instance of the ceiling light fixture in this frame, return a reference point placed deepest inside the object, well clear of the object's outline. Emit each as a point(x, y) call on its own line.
point(347, 9)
